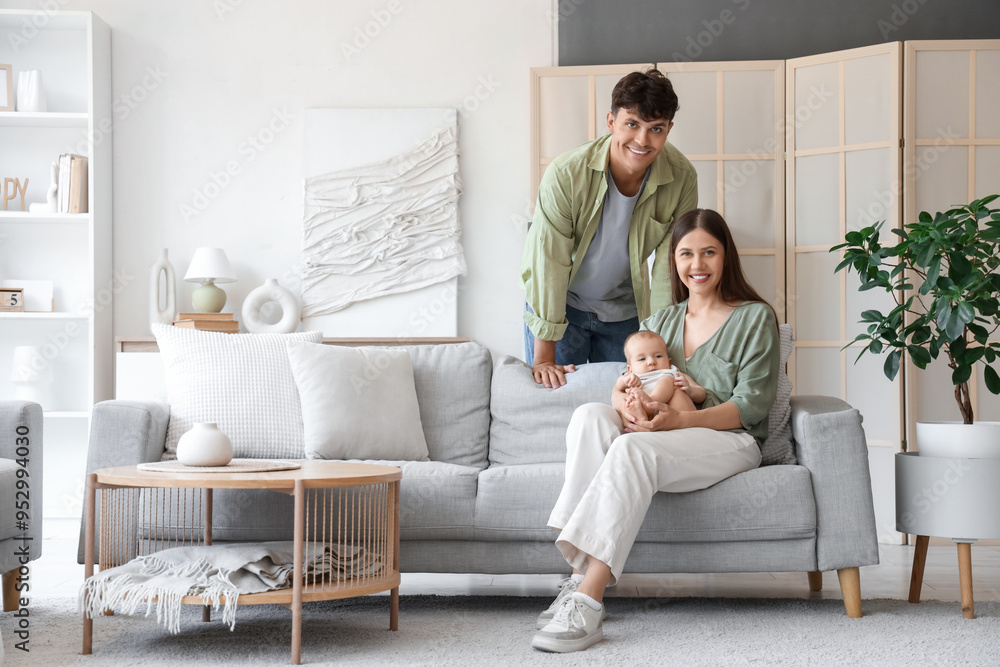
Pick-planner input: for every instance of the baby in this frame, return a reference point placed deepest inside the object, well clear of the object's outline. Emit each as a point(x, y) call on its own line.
point(648, 364)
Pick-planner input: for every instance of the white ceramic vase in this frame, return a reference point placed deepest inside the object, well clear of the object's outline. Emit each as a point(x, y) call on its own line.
point(271, 292)
point(30, 94)
point(205, 445)
point(162, 268)
point(979, 440)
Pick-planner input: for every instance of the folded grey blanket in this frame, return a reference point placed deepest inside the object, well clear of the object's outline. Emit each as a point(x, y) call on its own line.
point(211, 572)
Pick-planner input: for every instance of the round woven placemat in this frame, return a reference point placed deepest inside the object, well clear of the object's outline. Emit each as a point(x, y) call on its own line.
point(236, 465)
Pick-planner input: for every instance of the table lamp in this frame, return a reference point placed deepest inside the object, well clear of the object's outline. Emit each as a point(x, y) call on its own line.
point(31, 371)
point(209, 266)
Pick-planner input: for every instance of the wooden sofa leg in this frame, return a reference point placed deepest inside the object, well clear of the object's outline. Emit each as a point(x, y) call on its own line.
point(10, 597)
point(815, 580)
point(850, 588)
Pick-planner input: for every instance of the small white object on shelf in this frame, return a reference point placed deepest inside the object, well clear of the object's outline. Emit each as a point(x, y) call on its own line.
point(30, 94)
point(51, 204)
point(162, 268)
point(271, 292)
point(205, 445)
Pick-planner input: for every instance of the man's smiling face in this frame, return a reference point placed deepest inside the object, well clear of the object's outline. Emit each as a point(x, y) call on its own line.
point(635, 142)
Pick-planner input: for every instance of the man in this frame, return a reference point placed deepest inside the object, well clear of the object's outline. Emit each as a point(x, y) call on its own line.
point(603, 208)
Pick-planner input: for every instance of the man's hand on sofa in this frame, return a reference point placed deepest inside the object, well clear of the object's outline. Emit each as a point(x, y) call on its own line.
point(551, 374)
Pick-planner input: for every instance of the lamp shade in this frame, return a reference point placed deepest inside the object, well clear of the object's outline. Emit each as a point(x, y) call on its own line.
point(30, 365)
point(210, 264)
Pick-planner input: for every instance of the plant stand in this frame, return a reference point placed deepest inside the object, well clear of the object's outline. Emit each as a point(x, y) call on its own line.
point(947, 497)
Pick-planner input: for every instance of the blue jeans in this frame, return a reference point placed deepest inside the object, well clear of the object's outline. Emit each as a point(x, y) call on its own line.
point(587, 339)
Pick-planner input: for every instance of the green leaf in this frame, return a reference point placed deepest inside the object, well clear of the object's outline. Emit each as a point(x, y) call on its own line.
point(961, 374)
point(925, 254)
point(959, 267)
point(992, 380)
point(854, 238)
point(955, 328)
point(925, 217)
point(965, 312)
point(944, 313)
point(933, 271)
point(891, 367)
point(871, 316)
point(921, 357)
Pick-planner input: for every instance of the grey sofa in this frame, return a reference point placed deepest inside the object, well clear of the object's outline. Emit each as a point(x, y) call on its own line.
point(497, 449)
point(20, 495)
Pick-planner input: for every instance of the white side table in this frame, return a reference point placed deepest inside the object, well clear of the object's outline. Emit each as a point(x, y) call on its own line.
point(947, 497)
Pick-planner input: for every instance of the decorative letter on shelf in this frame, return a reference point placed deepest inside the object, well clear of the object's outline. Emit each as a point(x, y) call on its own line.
point(18, 187)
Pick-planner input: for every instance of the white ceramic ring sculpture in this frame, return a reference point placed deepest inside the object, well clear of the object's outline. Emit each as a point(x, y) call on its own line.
point(271, 292)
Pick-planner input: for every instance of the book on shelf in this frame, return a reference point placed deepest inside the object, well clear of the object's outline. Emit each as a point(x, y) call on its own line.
point(72, 184)
point(225, 326)
point(204, 316)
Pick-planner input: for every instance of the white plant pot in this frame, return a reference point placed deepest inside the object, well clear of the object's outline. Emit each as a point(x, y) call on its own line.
point(30, 94)
point(979, 440)
point(205, 445)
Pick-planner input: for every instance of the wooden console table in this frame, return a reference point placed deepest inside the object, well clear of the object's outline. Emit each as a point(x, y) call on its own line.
point(337, 505)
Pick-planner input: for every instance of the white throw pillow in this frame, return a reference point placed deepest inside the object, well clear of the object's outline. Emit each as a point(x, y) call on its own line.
point(243, 382)
point(358, 403)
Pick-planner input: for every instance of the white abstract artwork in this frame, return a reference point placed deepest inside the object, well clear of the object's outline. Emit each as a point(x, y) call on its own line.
point(381, 237)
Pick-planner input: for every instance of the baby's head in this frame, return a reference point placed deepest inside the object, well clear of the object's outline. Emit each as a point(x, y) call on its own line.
point(645, 351)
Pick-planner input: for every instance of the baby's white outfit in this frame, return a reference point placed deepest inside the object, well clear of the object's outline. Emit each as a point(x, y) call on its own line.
point(650, 379)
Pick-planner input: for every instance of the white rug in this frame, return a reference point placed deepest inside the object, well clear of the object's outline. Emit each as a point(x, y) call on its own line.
point(467, 630)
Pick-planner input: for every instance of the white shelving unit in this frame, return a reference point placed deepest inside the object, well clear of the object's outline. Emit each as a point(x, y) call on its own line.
point(74, 251)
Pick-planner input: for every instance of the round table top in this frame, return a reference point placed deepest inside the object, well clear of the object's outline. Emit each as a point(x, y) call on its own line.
point(312, 473)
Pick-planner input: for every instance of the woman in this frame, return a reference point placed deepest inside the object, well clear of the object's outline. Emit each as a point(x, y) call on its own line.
point(721, 332)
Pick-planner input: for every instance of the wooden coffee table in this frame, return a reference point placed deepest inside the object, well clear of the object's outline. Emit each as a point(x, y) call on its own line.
point(337, 505)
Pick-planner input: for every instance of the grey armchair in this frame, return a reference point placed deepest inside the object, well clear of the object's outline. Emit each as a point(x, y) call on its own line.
point(20, 494)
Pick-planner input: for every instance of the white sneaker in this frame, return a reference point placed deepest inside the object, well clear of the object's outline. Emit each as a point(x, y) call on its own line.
point(566, 587)
point(575, 626)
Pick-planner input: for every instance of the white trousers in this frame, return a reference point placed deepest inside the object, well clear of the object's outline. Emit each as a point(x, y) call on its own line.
point(611, 477)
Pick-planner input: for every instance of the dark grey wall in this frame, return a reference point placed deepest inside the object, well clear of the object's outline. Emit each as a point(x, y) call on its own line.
point(599, 32)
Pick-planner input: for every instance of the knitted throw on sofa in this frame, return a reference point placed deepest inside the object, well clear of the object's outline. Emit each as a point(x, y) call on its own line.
point(212, 572)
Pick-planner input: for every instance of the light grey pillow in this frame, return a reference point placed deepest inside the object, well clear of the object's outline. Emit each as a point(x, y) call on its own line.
point(779, 448)
point(357, 403)
point(529, 421)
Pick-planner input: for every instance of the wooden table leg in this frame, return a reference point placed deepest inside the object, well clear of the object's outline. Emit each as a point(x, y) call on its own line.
point(965, 578)
point(88, 569)
point(206, 611)
point(917, 573)
point(297, 572)
point(394, 609)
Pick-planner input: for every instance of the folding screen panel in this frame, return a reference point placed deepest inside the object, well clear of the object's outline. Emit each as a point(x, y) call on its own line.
point(952, 156)
point(842, 173)
point(729, 125)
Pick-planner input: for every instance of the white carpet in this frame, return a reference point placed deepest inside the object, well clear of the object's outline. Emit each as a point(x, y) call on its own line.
point(497, 630)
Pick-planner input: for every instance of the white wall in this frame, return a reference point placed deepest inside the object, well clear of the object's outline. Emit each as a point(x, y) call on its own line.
point(194, 79)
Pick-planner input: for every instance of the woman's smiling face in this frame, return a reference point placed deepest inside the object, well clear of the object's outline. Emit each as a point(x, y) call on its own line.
point(699, 258)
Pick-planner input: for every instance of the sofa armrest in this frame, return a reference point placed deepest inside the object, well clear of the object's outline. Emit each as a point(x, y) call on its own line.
point(830, 442)
point(24, 419)
point(125, 433)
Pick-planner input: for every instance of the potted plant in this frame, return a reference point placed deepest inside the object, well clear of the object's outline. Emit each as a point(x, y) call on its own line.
point(942, 273)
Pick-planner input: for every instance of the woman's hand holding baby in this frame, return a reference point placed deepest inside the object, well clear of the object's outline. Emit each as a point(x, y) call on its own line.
point(666, 419)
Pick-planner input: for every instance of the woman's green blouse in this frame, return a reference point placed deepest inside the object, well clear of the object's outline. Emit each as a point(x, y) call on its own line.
point(739, 363)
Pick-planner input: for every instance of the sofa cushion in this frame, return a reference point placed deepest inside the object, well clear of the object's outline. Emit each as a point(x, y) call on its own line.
point(243, 382)
point(357, 402)
point(529, 421)
point(514, 502)
point(453, 390)
point(773, 503)
point(8, 491)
